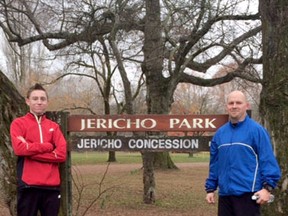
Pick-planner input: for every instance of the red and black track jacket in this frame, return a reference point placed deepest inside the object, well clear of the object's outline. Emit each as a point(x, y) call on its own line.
point(38, 157)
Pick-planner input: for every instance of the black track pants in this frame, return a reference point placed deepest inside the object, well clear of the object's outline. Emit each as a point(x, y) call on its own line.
point(238, 206)
point(30, 200)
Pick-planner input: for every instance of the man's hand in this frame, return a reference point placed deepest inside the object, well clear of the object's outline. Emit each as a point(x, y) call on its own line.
point(210, 198)
point(263, 196)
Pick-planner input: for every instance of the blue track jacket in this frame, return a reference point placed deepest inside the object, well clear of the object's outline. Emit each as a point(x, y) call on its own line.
point(241, 159)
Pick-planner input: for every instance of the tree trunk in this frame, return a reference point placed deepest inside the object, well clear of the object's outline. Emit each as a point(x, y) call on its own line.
point(163, 161)
point(12, 105)
point(274, 95)
point(158, 93)
point(158, 100)
point(148, 178)
point(112, 156)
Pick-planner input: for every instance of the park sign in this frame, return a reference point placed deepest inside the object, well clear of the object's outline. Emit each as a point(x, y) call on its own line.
point(197, 124)
point(137, 123)
point(141, 143)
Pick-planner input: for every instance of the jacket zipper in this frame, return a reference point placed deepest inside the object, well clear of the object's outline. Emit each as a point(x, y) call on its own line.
point(40, 128)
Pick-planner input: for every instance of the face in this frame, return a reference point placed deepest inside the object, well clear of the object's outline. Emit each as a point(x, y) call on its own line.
point(37, 102)
point(236, 106)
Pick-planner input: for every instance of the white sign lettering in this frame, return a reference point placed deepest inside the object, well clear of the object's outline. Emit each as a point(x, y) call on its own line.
point(120, 123)
point(139, 144)
point(192, 123)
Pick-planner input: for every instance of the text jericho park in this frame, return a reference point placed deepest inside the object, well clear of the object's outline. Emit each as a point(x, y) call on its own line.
point(146, 123)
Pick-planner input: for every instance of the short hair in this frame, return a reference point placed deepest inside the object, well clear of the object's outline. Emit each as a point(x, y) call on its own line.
point(37, 86)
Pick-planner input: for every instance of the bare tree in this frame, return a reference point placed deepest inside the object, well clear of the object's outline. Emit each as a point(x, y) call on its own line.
point(274, 95)
point(252, 89)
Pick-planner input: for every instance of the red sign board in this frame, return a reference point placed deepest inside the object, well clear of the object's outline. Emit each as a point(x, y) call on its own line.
point(129, 123)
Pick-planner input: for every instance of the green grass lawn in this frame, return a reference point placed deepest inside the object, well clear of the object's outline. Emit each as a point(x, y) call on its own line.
point(89, 157)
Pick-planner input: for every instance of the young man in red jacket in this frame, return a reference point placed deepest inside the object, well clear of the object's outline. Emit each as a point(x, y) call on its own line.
point(40, 146)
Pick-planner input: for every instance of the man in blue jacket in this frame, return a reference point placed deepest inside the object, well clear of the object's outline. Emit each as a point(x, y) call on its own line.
point(242, 163)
